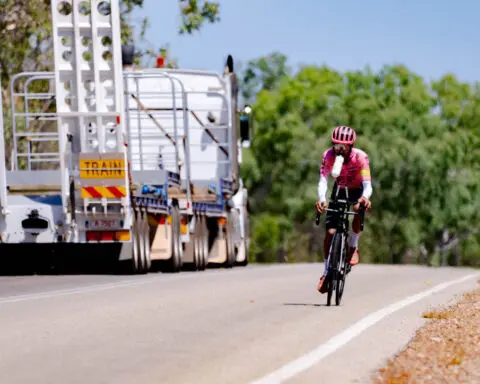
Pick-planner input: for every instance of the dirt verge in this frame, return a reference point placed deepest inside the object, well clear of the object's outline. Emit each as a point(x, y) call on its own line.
point(445, 350)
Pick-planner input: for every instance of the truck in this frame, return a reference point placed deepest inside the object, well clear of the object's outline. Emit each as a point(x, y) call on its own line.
point(143, 163)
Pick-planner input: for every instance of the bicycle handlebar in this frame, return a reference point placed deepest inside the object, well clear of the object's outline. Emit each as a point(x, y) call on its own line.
point(361, 213)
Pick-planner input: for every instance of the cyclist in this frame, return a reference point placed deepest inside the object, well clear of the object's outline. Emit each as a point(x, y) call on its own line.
point(355, 174)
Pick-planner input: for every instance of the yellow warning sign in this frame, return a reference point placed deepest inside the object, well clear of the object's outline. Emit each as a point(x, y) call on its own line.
point(102, 169)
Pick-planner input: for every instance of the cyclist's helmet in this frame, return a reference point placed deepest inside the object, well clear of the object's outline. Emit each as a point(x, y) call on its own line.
point(343, 135)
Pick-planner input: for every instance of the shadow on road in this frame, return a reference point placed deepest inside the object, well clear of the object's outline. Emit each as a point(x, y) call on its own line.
point(28, 260)
point(71, 267)
point(305, 305)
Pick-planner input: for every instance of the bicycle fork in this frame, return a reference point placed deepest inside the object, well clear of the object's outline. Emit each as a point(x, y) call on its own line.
point(342, 253)
point(329, 259)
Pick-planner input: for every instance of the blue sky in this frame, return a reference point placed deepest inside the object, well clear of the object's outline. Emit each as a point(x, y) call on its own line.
point(431, 37)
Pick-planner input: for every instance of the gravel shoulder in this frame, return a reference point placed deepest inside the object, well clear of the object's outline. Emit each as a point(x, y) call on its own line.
point(445, 350)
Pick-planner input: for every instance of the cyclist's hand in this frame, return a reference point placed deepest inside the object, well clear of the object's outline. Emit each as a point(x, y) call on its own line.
point(365, 202)
point(320, 206)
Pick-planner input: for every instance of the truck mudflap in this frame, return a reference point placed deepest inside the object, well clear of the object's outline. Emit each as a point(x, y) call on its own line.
point(166, 244)
point(222, 250)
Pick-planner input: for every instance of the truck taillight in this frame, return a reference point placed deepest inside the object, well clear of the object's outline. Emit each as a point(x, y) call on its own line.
point(108, 235)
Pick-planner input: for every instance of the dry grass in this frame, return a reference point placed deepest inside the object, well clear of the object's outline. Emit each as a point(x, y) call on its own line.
point(445, 350)
point(444, 314)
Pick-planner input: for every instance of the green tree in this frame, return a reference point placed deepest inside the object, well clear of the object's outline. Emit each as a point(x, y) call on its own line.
point(423, 144)
point(195, 13)
point(264, 73)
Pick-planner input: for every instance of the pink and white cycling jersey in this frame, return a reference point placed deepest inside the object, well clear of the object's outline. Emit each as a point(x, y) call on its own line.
point(355, 170)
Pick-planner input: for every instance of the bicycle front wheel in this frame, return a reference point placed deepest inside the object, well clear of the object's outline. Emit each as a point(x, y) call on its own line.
point(341, 270)
point(334, 256)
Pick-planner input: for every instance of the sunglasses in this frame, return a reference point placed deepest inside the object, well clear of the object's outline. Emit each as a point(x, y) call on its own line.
point(340, 147)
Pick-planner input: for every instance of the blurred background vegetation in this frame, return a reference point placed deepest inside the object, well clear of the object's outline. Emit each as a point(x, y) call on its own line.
point(422, 137)
point(423, 140)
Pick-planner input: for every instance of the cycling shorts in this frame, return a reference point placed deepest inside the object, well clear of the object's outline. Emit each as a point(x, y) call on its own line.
point(331, 219)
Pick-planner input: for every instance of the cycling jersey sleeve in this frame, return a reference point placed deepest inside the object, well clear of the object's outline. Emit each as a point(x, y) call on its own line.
point(327, 164)
point(322, 189)
point(325, 170)
point(367, 189)
point(366, 178)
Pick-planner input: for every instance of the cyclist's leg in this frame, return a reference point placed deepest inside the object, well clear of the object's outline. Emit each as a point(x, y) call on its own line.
point(354, 236)
point(330, 228)
point(322, 287)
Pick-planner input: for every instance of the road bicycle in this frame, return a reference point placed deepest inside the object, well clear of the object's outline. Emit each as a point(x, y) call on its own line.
point(338, 261)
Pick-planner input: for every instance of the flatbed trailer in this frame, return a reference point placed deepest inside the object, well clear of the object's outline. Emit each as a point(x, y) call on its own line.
point(200, 108)
point(168, 189)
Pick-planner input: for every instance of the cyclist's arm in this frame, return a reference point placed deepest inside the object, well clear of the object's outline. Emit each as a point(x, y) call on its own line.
point(325, 170)
point(366, 179)
point(367, 189)
point(322, 189)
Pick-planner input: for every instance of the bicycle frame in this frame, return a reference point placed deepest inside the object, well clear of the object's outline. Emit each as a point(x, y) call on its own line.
point(337, 267)
point(343, 223)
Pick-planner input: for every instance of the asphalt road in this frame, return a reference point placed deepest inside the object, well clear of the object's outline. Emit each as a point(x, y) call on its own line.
point(217, 326)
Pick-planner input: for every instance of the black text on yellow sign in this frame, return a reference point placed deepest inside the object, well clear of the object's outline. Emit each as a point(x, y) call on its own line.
point(102, 169)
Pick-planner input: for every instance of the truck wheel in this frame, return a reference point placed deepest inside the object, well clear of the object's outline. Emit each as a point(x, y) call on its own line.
point(200, 243)
point(203, 242)
point(231, 256)
point(145, 242)
point(197, 245)
point(135, 265)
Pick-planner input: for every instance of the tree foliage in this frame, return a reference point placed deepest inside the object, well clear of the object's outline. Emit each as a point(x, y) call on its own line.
point(195, 13)
point(25, 33)
point(263, 73)
point(422, 138)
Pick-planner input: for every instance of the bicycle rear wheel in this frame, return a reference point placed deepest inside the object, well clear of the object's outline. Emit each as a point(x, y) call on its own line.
point(332, 270)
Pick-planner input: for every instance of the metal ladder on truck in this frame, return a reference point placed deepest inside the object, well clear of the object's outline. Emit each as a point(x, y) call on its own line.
point(32, 218)
point(96, 197)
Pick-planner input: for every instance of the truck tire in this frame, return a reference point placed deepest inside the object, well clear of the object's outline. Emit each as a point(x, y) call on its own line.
point(197, 245)
point(231, 255)
point(135, 264)
point(144, 241)
point(204, 242)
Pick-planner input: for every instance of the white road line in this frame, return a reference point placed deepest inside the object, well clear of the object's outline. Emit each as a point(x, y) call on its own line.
point(252, 268)
point(313, 357)
point(118, 284)
point(73, 291)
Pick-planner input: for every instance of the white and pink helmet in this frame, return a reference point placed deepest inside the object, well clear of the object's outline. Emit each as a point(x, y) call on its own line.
point(343, 135)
